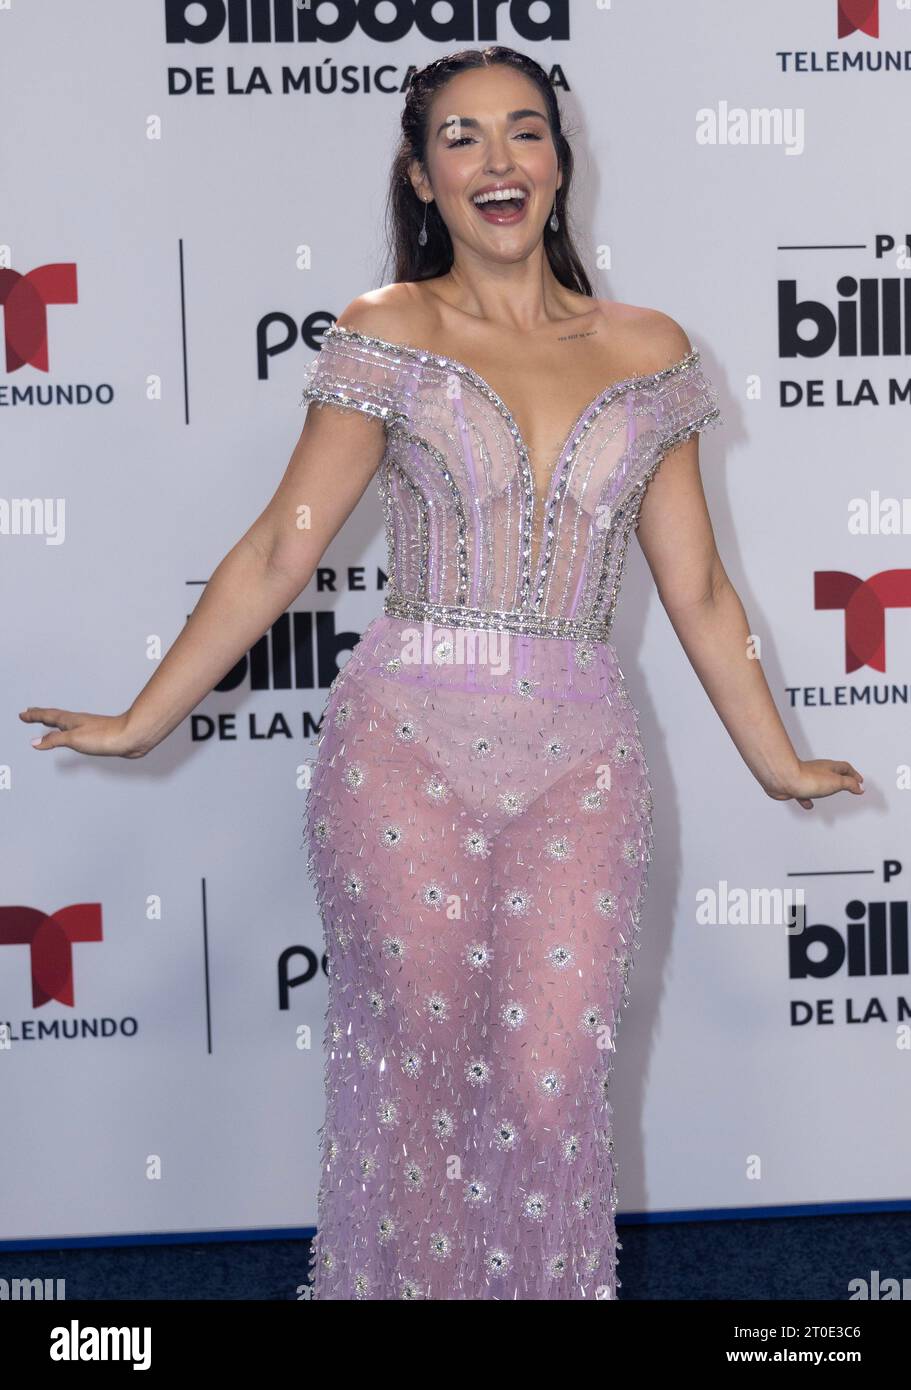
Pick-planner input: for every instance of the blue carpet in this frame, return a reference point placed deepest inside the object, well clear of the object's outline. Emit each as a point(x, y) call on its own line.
point(814, 1257)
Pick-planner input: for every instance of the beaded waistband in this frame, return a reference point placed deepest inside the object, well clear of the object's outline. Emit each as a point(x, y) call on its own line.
point(530, 624)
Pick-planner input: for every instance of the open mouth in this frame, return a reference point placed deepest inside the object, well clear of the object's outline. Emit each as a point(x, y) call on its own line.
point(501, 205)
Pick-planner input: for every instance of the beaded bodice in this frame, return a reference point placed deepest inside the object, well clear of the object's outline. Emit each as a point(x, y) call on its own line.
point(470, 542)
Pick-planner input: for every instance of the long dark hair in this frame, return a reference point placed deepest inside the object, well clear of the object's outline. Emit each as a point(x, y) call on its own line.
point(405, 212)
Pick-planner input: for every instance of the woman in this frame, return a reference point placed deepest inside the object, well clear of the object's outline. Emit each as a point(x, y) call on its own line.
point(479, 823)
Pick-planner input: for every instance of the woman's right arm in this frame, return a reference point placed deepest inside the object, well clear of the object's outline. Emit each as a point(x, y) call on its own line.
point(338, 452)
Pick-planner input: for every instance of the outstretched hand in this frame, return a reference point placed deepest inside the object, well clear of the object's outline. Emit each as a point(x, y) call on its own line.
point(817, 777)
point(103, 734)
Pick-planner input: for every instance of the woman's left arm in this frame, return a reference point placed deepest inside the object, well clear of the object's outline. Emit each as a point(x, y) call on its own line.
point(675, 532)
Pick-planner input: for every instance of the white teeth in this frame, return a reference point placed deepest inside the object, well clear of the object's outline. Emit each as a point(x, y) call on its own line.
point(498, 196)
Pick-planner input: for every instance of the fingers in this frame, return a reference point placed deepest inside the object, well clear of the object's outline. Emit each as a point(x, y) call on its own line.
point(50, 741)
point(36, 715)
point(851, 779)
point(54, 718)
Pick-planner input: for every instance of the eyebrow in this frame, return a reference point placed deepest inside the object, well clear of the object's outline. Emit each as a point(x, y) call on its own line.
point(472, 123)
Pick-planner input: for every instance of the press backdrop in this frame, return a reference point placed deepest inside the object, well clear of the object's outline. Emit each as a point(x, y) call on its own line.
point(188, 200)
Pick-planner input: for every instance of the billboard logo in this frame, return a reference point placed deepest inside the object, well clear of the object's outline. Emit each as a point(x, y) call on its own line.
point(290, 21)
point(873, 942)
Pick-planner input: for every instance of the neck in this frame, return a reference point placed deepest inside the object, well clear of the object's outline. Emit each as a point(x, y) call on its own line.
point(521, 295)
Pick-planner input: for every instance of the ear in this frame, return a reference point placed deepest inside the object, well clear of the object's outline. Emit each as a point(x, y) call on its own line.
point(419, 181)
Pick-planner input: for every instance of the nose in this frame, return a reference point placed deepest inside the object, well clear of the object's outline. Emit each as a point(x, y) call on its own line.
point(499, 167)
point(499, 156)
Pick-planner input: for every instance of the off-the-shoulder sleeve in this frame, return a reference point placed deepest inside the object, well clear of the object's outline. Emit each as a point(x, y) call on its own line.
point(350, 372)
point(679, 402)
point(686, 403)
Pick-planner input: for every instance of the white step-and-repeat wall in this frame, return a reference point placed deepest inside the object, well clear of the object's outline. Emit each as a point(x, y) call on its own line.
point(191, 191)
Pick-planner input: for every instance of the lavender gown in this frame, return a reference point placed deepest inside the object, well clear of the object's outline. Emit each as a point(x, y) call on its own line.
point(478, 832)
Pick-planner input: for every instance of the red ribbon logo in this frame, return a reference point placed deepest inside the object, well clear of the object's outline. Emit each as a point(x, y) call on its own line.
point(864, 603)
point(858, 16)
point(51, 940)
point(25, 299)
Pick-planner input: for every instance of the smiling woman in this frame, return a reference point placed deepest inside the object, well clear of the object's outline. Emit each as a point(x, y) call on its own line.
point(479, 834)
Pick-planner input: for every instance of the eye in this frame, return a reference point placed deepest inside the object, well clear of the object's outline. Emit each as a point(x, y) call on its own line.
point(453, 144)
point(530, 134)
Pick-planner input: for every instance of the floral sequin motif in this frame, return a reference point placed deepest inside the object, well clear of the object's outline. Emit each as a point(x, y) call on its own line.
point(432, 895)
point(354, 777)
point(535, 1206)
point(513, 1015)
point(478, 832)
point(437, 1007)
point(412, 1064)
point(622, 751)
point(353, 885)
point(505, 1137)
point(443, 1124)
point(385, 1230)
point(414, 1176)
point(606, 904)
point(476, 843)
point(436, 788)
point(388, 1113)
point(440, 1246)
point(592, 1019)
point(551, 1083)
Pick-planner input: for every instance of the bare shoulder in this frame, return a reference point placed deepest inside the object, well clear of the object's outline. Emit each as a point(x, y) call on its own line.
point(392, 312)
point(652, 339)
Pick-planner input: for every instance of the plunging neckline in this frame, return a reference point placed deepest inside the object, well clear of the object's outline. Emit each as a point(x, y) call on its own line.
point(546, 500)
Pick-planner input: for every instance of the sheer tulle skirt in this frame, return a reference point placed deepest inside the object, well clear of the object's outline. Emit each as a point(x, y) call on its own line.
point(478, 831)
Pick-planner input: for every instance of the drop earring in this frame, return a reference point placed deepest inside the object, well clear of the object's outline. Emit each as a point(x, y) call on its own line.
point(422, 234)
point(554, 219)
